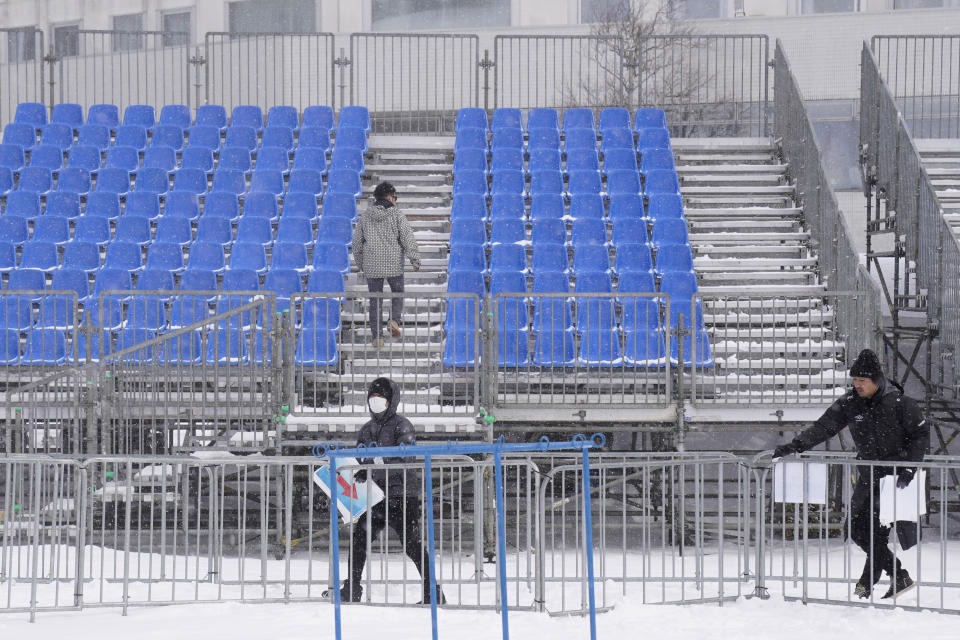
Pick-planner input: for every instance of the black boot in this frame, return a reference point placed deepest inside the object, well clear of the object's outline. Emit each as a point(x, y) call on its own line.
point(349, 592)
point(441, 599)
point(903, 582)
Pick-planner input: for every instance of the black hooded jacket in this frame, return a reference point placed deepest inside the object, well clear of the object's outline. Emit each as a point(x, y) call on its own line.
point(388, 429)
point(886, 426)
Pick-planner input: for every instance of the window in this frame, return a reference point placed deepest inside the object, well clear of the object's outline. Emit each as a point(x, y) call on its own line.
point(128, 39)
point(827, 6)
point(21, 45)
point(696, 9)
point(439, 14)
point(66, 40)
point(176, 29)
point(923, 4)
point(273, 16)
point(602, 10)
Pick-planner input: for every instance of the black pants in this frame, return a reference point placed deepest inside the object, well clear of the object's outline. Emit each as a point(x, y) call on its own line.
point(865, 528)
point(396, 303)
point(406, 526)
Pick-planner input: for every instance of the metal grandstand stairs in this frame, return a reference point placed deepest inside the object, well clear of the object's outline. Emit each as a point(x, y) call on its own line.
point(941, 159)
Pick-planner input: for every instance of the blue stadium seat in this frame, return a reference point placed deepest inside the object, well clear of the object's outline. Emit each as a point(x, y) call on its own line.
point(288, 255)
point(211, 115)
point(141, 115)
point(63, 204)
point(188, 309)
point(318, 116)
point(468, 206)
point(634, 256)
point(674, 258)
point(115, 181)
point(153, 181)
point(505, 182)
point(343, 182)
point(247, 115)
point(465, 160)
point(316, 347)
point(142, 205)
point(333, 229)
point(669, 231)
point(123, 256)
point(307, 181)
point(351, 138)
point(545, 160)
point(311, 158)
point(467, 257)
point(702, 357)
point(600, 346)
point(650, 117)
point(16, 314)
point(146, 312)
point(314, 138)
point(551, 313)
point(179, 204)
point(468, 182)
point(197, 158)
point(325, 281)
point(45, 347)
point(460, 346)
point(206, 256)
point(22, 135)
point(14, 229)
point(51, 229)
point(57, 312)
point(241, 136)
point(82, 256)
point(90, 348)
point(241, 279)
point(261, 204)
point(273, 159)
point(471, 117)
point(620, 159)
point(586, 206)
point(35, 179)
point(657, 159)
point(304, 205)
point(661, 181)
point(47, 156)
point(507, 207)
point(6, 181)
point(591, 257)
point(546, 183)
point(339, 204)
point(156, 280)
point(229, 181)
point(85, 158)
point(180, 349)
point(354, 116)
point(587, 231)
point(175, 115)
point(255, 229)
point(507, 118)
point(22, 204)
point(550, 258)
point(623, 181)
point(21, 279)
point(110, 279)
point(284, 283)
point(513, 347)
point(616, 139)
point(283, 116)
point(576, 141)
point(554, 348)
point(8, 256)
point(578, 117)
point(103, 205)
point(626, 206)
point(280, 137)
point(467, 231)
point(543, 117)
point(321, 312)
point(196, 280)
point(508, 232)
point(331, 255)
point(510, 158)
point(165, 255)
point(664, 206)
point(470, 138)
point(31, 113)
point(640, 281)
point(204, 137)
point(300, 230)
point(508, 257)
point(227, 346)
point(583, 160)
point(215, 230)
point(74, 180)
point(236, 159)
point(167, 136)
point(584, 183)
point(548, 231)
point(543, 138)
point(131, 136)
point(127, 158)
point(652, 138)
point(506, 139)
point(512, 317)
point(614, 118)
point(644, 347)
point(57, 135)
point(175, 230)
point(629, 230)
point(682, 288)
point(94, 135)
point(266, 181)
point(221, 205)
point(594, 312)
point(12, 157)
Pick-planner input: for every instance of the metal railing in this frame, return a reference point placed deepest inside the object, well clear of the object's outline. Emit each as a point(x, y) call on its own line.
point(21, 69)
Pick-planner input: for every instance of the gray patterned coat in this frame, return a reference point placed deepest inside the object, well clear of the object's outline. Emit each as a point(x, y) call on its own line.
point(381, 238)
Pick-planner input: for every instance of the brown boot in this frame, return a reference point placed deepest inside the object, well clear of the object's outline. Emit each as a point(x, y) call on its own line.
point(394, 329)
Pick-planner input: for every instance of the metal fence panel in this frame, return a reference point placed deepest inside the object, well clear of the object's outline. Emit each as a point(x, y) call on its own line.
point(123, 68)
point(414, 83)
point(21, 69)
point(268, 69)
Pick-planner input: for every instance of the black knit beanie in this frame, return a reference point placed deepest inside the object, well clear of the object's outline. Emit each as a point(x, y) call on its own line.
point(381, 387)
point(867, 365)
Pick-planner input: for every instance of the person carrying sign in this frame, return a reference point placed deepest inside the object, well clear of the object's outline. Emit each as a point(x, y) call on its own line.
point(885, 425)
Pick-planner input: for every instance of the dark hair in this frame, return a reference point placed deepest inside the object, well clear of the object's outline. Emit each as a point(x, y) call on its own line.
point(383, 190)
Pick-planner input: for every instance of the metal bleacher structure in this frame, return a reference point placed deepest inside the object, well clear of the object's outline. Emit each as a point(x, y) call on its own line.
point(183, 279)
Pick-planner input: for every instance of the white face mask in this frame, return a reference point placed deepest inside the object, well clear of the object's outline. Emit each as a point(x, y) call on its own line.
point(377, 404)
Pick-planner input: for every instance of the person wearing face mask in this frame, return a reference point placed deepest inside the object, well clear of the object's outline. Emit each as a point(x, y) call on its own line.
point(885, 425)
point(401, 506)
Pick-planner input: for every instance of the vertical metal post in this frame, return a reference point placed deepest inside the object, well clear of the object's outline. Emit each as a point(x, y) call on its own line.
point(431, 546)
point(334, 545)
point(486, 64)
point(198, 60)
point(681, 427)
point(341, 62)
point(588, 543)
point(501, 543)
point(51, 59)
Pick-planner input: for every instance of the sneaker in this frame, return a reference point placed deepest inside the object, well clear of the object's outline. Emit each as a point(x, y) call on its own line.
point(394, 329)
point(350, 592)
point(377, 343)
point(861, 590)
point(903, 583)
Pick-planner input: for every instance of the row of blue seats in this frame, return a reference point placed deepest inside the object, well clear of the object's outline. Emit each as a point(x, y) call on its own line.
point(555, 206)
point(158, 181)
point(240, 158)
point(553, 182)
point(571, 142)
point(583, 231)
point(29, 205)
point(573, 118)
point(224, 346)
point(509, 159)
point(179, 115)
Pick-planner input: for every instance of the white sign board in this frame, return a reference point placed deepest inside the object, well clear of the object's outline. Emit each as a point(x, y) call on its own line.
point(788, 482)
point(903, 505)
point(352, 497)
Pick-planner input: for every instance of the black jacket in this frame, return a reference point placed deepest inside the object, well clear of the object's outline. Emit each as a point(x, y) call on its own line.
point(390, 430)
point(887, 426)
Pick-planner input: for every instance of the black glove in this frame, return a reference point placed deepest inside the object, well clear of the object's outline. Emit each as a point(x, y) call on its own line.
point(785, 450)
point(904, 476)
point(360, 475)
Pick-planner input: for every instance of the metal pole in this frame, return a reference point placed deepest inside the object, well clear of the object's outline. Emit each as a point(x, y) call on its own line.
point(501, 544)
point(588, 543)
point(431, 547)
point(334, 546)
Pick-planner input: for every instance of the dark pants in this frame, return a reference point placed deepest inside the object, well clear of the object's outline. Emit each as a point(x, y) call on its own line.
point(407, 526)
point(865, 528)
point(396, 303)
